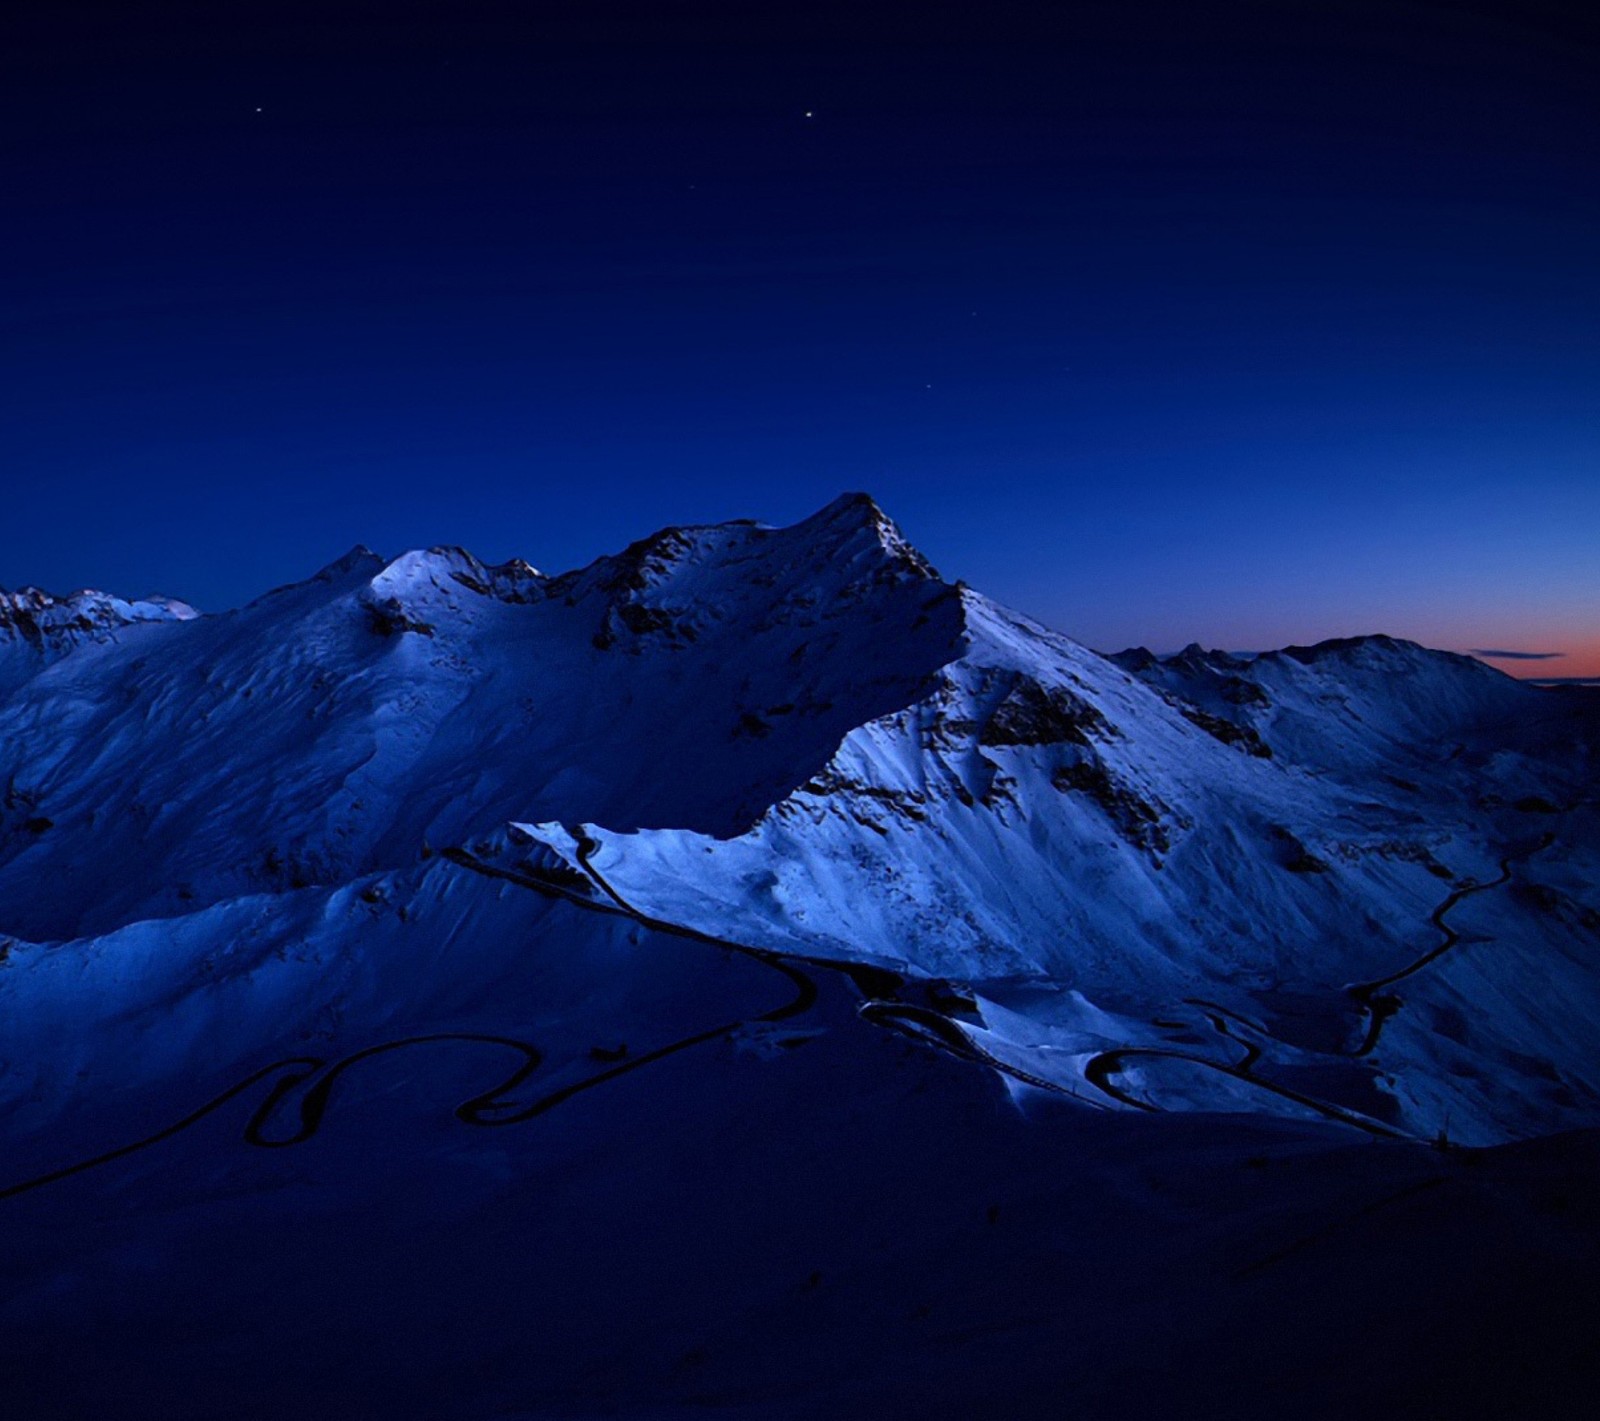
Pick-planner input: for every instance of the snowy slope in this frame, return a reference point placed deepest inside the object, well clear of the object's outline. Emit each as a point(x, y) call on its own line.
point(804, 741)
point(1104, 866)
point(393, 924)
point(343, 724)
point(36, 628)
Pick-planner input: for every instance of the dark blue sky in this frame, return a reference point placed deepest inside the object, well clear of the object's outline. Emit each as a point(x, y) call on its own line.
point(1245, 323)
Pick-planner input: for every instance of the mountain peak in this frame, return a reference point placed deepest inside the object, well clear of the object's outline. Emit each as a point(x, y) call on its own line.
point(31, 610)
point(359, 557)
point(36, 628)
point(856, 521)
point(1378, 650)
point(857, 505)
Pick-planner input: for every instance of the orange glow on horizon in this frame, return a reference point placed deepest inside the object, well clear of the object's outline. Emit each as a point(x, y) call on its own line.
point(1574, 661)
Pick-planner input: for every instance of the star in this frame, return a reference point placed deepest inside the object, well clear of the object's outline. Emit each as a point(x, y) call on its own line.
point(809, 114)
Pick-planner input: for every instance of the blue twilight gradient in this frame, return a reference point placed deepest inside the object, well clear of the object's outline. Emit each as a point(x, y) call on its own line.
point(1245, 323)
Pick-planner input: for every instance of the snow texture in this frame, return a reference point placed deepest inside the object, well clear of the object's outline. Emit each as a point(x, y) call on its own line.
point(787, 799)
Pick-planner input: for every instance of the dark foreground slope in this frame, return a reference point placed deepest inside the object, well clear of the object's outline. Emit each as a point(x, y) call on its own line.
point(881, 1007)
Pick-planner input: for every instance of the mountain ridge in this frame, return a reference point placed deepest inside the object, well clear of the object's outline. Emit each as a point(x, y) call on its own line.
point(803, 738)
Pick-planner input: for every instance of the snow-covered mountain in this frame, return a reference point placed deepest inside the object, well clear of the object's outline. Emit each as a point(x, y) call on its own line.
point(735, 790)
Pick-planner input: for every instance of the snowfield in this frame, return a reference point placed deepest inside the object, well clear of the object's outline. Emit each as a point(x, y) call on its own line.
point(754, 936)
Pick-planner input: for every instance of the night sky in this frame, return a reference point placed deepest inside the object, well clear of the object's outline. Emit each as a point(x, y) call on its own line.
point(1250, 324)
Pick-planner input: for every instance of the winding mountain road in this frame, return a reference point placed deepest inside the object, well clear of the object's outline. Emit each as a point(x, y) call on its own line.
point(881, 1007)
point(1102, 1070)
point(1378, 1007)
point(315, 1079)
point(294, 1072)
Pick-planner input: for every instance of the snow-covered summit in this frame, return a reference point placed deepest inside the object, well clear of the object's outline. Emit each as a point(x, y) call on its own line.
point(35, 615)
point(36, 627)
point(338, 725)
